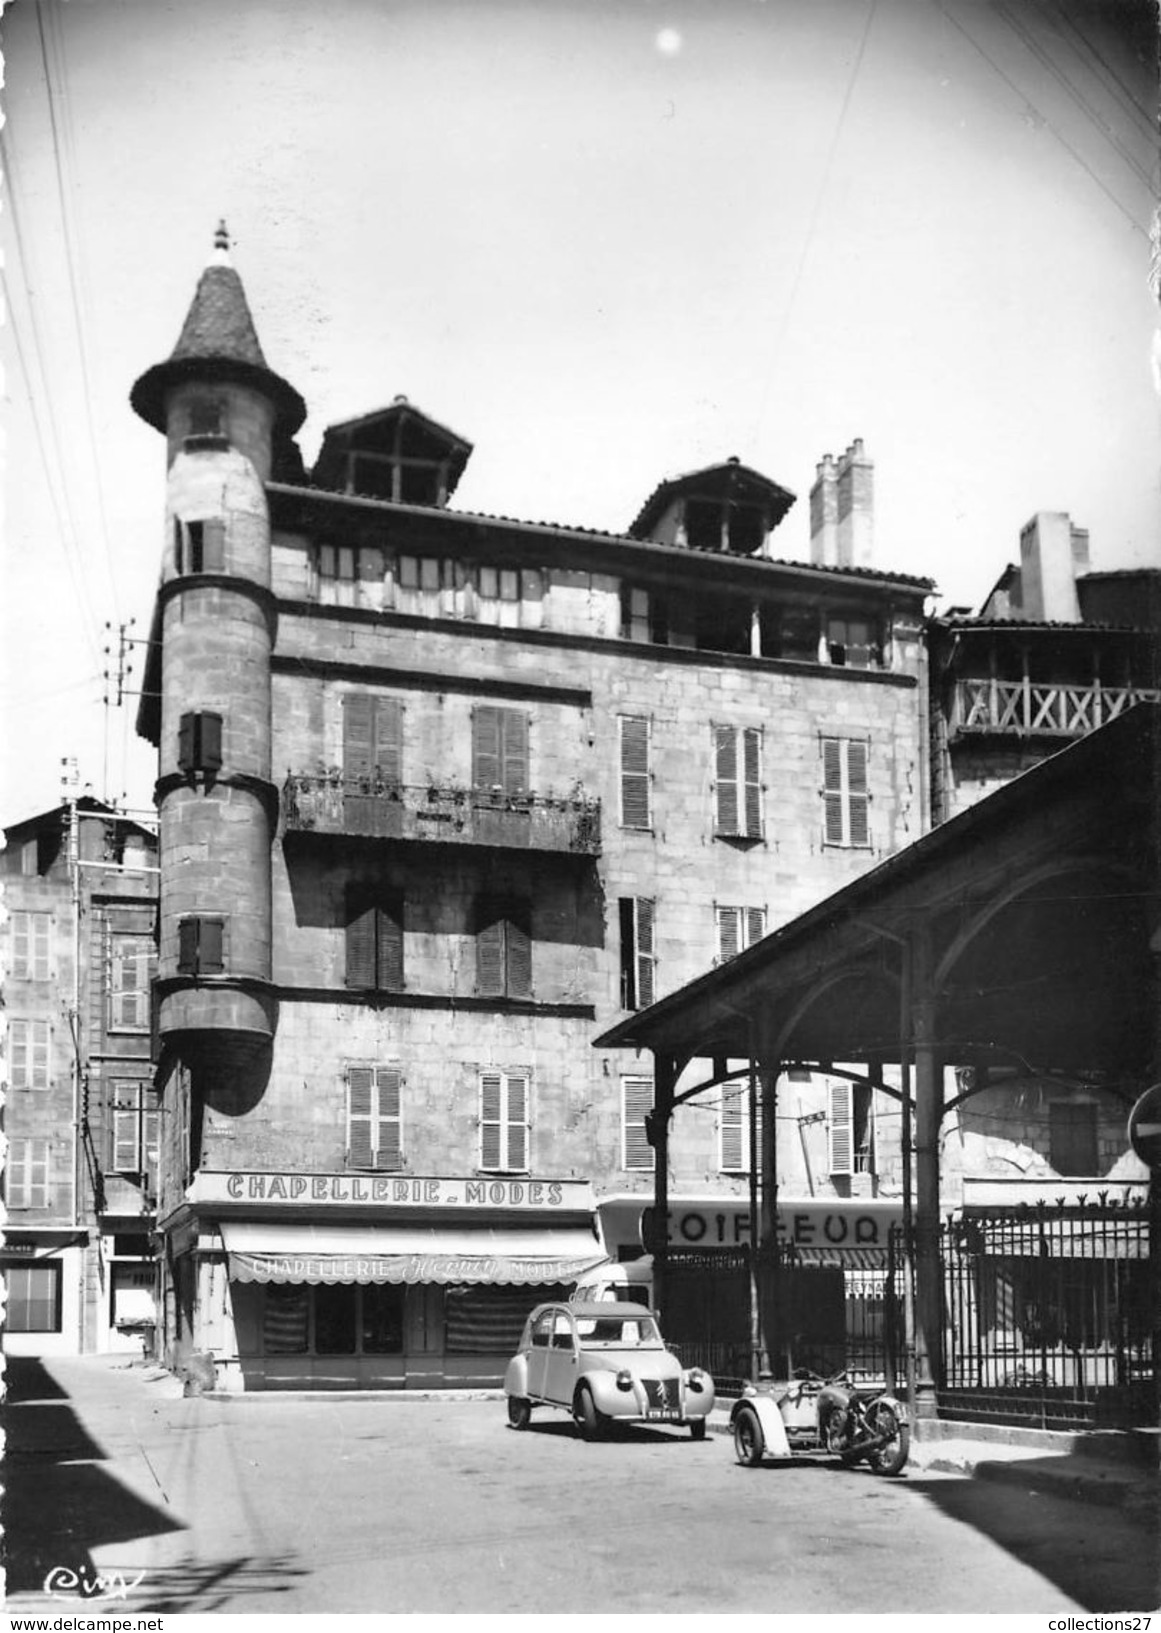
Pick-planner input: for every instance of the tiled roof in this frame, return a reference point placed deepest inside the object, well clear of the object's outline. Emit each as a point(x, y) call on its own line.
point(218, 323)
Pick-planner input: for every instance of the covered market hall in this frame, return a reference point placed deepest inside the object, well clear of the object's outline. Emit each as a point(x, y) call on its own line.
point(1018, 942)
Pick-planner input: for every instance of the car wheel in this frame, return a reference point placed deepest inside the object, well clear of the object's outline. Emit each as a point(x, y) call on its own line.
point(519, 1411)
point(749, 1441)
point(588, 1420)
point(697, 1429)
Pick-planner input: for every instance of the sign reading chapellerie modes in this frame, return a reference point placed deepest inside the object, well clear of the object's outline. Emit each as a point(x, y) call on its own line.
point(394, 1190)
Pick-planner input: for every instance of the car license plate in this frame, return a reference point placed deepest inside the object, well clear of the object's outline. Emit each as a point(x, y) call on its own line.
point(665, 1412)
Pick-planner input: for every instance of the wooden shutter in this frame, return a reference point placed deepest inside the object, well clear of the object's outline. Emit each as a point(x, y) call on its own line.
point(637, 1093)
point(752, 781)
point(361, 959)
point(360, 1110)
point(518, 958)
point(726, 775)
point(389, 947)
point(129, 998)
point(486, 756)
point(513, 751)
point(729, 932)
point(645, 954)
point(187, 947)
point(358, 734)
point(209, 748)
point(491, 1120)
point(388, 1142)
point(185, 743)
point(832, 796)
point(490, 955)
point(126, 1130)
point(734, 1129)
point(387, 739)
point(150, 1157)
point(858, 825)
point(517, 1122)
point(210, 958)
point(840, 1127)
point(755, 924)
point(634, 771)
point(19, 1053)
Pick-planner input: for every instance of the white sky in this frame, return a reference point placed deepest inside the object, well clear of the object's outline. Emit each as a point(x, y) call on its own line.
point(607, 241)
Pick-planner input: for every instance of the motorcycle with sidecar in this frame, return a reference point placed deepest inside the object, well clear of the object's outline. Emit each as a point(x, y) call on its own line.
point(811, 1416)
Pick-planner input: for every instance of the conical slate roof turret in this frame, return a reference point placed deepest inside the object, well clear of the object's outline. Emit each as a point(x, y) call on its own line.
point(218, 341)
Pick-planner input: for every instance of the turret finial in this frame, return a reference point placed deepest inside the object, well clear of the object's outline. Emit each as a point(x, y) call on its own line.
point(222, 246)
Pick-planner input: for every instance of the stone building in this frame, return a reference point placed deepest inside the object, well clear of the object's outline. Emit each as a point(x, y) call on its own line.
point(80, 1120)
point(441, 795)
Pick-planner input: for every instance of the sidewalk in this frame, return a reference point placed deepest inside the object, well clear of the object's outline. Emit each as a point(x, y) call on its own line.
point(1118, 1471)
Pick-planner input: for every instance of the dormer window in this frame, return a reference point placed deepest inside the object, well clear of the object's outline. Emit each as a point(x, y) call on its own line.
point(853, 643)
point(711, 524)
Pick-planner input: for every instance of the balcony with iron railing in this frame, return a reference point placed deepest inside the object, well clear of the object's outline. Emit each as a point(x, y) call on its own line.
point(371, 808)
point(1030, 708)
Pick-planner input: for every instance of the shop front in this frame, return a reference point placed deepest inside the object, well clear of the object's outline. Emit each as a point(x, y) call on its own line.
point(44, 1271)
point(341, 1281)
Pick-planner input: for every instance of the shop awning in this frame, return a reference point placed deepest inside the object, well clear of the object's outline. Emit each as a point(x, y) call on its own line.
point(336, 1253)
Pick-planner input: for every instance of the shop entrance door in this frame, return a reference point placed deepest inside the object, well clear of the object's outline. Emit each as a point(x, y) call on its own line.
point(423, 1337)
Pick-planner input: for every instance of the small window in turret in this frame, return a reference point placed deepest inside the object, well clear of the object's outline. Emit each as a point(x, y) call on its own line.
point(207, 425)
point(199, 743)
point(200, 946)
point(201, 546)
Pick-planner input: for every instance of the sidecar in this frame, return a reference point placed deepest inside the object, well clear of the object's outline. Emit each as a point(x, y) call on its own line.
point(778, 1421)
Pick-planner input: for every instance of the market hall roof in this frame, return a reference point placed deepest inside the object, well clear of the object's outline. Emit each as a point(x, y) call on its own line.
point(1038, 903)
point(218, 341)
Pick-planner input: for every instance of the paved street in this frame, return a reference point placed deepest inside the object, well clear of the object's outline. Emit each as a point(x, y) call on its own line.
point(436, 1505)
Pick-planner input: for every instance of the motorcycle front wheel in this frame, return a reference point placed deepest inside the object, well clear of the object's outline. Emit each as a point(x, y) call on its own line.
point(892, 1455)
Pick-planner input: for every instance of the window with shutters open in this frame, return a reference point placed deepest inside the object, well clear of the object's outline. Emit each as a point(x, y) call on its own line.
point(638, 963)
point(134, 1131)
point(636, 1107)
point(850, 1128)
point(131, 961)
point(374, 941)
point(373, 740)
point(636, 799)
point(500, 750)
point(734, 1128)
point(504, 1122)
point(200, 946)
point(738, 782)
point(503, 949)
point(28, 1046)
point(845, 795)
point(30, 938)
point(739, 928)
point(200, 545)
point(374, 1116)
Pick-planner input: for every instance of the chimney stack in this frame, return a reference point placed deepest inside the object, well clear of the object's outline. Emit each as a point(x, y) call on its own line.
point(1052, 553)
point(842, 510)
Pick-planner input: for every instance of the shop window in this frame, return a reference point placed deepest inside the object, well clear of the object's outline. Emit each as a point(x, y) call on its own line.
point(851, 1128)
point(500, 750)
point(381, 1320)
point(374, 1116)
point(28, 1053)
point(26, 1176)
point(1072, 1137)
point(637, 956)
point(636, 778)
point(286, 1320)
point(30, 939)
point(636, 1109)
point(503, 949)
point(734, 1128)
point(504, 1122)
point(374, 942)
point(199, 545)
point(131, 965)
point(845, 796)
point(738, 782)
point(335, 1325)
point(200, 946)
point(199, 742)
point(739, 928)
point(490, 1320)
point(34, 1301)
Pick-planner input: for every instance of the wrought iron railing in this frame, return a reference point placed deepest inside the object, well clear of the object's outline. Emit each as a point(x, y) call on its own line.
point(1048, 1315)
point(1028, 708)
point(370, 807)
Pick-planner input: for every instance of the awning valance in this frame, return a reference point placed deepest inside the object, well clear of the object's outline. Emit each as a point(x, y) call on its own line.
point(335, 1253)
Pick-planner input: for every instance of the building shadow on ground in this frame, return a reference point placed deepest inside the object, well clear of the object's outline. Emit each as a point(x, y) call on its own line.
point(1105, 1558)
point(59, 1503)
